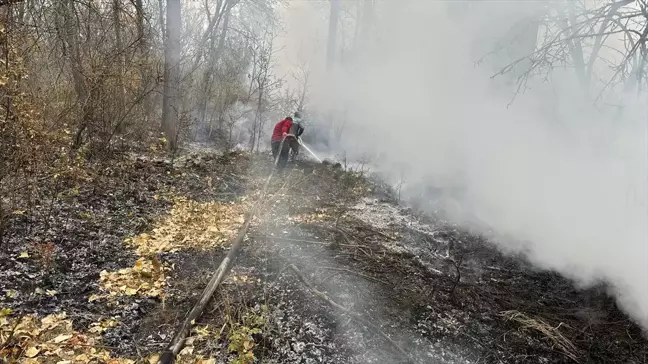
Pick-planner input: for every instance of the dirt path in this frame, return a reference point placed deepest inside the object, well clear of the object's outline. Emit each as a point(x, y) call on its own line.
point(117, 264)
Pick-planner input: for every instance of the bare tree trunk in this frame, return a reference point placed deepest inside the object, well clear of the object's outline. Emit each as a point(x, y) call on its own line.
point(256, 132)
point(304, 90)
point(599, 40)
point(172, 50)
point(145, 72)
point(162, 20)
point(332, 33)
point(69, 35)
point(141, 32)
point(121, 66)
point(332, 42)
point(214, 55)
point(575, 46)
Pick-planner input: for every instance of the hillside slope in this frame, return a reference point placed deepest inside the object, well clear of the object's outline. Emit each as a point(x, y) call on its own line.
point(107, 266)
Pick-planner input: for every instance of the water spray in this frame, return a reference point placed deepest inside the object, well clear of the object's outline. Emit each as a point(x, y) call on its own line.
point(309, 151)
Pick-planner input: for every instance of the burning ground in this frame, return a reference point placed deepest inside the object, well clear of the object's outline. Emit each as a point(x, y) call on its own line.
point(106, 266)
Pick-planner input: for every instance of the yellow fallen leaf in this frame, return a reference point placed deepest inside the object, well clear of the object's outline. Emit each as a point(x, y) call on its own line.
point(24, 255)
point(61, 338)
point(53, 319)
point(206, 361)
point(139, 265)
point(83, 358)
point(12, 293)
point(32, 351)
point(18, 212)
point(153, 359)
point(187, 350)
point(131, 291)
point(50, 292)
point(202, 331)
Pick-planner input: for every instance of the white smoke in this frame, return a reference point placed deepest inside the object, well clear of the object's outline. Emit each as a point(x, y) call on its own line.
point(551, 170)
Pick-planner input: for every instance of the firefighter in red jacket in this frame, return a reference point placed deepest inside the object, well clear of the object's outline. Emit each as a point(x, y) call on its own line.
point(291, 130)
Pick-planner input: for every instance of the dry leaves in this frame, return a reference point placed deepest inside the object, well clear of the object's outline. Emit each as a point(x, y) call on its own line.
point(99, 327)
point(191, 224)
point(51, 340)
point(320, 215)
point(147, 278)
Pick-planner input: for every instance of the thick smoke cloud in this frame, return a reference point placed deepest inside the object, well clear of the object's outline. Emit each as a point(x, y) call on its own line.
point(564, 179)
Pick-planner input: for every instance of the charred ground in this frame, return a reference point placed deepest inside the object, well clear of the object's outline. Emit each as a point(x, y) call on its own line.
point(441, 294)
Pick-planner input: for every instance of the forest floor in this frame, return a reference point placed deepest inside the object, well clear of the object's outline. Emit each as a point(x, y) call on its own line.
point(105, 268)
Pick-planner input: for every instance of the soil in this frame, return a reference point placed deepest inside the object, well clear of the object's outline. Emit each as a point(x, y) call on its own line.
point(441, 294)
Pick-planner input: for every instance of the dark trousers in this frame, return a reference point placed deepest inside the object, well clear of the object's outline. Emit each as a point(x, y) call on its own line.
point(289, 143)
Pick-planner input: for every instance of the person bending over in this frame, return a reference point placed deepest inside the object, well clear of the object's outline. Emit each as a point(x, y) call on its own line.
point(289, 130)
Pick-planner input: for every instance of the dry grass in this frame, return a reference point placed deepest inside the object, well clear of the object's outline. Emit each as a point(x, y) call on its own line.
point(558, 341)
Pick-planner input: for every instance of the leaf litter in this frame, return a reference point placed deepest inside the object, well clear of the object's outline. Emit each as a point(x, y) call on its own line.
point(125, 207)
point(146, 278)
point(191, 224)
point(52, 339)
point(300, 330)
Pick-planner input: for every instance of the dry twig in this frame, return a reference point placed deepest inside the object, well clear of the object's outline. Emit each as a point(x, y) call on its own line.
point(552, 333)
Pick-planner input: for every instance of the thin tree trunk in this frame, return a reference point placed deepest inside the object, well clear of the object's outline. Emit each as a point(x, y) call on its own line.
point(257, 121)
point(214, 55)
point(599, 40)
point(171, 98)
point(121, 67)
point(69, 35)
point(145, 71)
point(304, 91)
point(575, 46)
point(162, 21)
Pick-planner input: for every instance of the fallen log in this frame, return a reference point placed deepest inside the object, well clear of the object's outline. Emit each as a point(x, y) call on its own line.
point(354, 315)
point(178, 341)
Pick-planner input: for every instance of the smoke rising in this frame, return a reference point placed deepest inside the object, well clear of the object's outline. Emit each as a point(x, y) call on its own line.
point(564, 178)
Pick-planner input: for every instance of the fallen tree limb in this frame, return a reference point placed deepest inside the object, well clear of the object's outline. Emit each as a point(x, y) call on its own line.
point(178, 341)
point(347, 311)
